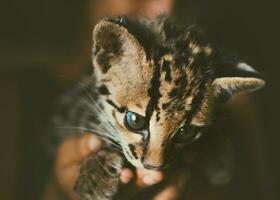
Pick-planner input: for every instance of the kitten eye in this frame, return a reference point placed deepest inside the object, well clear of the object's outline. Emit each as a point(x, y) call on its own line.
point(187, 135)
point(134, 122)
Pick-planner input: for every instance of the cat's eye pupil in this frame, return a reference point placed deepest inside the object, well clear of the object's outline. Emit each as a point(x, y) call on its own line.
point(134, 122)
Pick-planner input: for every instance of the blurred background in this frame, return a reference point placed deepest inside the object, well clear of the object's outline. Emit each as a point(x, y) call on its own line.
point(42, 42)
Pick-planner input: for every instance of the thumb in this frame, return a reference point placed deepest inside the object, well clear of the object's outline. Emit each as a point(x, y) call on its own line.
point(74, 150)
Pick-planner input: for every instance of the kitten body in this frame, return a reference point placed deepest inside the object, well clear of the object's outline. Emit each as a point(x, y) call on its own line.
point(150, 99)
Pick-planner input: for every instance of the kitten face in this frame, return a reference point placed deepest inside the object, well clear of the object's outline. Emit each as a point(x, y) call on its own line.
point(159, 94)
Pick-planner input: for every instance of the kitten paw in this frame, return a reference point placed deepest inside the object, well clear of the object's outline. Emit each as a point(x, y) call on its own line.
point(99, 176)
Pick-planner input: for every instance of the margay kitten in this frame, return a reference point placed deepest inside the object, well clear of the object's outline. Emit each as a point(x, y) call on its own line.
point(152, 93)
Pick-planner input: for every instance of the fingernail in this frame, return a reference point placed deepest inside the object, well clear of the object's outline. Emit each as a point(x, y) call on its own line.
point(94, 143)
point(148, 180)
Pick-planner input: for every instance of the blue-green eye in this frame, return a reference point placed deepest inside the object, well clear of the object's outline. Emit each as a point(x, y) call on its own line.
point(134, 122)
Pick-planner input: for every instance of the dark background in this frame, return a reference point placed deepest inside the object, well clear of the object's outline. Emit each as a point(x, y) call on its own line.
point(41, 41)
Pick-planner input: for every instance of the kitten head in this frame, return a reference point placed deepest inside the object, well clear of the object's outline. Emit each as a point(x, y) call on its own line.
point(160, 81)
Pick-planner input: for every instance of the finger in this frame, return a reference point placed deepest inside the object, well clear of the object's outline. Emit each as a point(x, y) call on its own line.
point(126, 176)
point(70, 153)
point(148, 177)
point(67, 178)
point(74, 150)
point(168, 193)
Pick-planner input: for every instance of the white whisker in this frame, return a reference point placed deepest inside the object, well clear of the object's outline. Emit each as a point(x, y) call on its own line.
point(105, 127)
point(96, 132)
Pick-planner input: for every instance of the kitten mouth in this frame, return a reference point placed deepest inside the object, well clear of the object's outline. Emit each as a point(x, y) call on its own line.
point(155, 168)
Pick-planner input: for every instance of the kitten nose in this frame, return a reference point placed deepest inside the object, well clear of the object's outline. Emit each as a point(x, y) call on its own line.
point(152, 167)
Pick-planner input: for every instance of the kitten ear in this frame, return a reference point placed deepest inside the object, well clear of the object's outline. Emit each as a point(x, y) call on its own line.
point(241, 78)
point(114, 45)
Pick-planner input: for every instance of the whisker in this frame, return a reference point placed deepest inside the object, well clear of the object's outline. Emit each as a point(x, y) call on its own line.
point(96, 132)
point(106, 127)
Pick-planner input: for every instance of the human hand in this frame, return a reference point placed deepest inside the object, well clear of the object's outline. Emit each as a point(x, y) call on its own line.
point(74, 150)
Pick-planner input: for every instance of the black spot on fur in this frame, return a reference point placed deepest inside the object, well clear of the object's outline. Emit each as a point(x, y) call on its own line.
point(153, 92)
point(132, 149)
point(165, 105)
point(103, 90)
point(120, 109)
point(166, 69)
point(173, 93)
point(103, 61)
point(160, 51)
point(157, 116)
point(180, 80)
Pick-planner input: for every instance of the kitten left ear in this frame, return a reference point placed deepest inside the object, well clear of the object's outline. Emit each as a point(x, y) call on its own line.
point(113, 45)
point(241, 78)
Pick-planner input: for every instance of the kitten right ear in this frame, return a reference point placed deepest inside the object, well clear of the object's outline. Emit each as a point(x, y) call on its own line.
point(114, 45)
point(235, 79)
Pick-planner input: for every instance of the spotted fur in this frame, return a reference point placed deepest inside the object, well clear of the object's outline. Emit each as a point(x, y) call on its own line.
point(162, 70)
